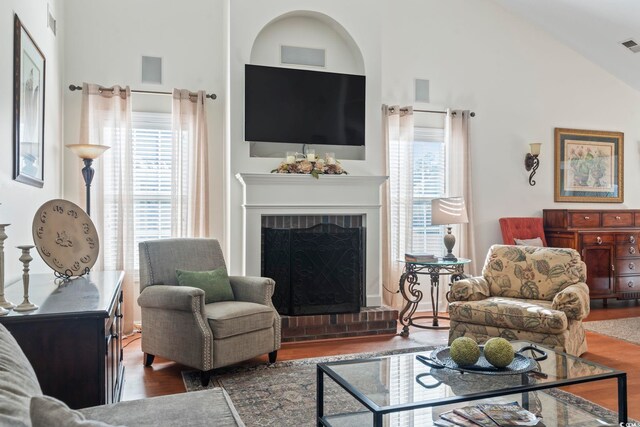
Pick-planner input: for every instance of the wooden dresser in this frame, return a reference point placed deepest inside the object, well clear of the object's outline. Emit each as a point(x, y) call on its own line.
point(73, 340)
point(608, 243)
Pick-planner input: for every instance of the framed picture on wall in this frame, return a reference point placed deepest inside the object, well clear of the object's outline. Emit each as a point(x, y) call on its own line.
point(28, 108)
point(589, 166)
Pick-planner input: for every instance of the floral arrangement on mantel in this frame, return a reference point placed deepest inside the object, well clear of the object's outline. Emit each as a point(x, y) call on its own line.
point(311, 166)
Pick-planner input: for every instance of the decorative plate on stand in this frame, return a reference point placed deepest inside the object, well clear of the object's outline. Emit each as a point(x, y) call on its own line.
point(66, 238)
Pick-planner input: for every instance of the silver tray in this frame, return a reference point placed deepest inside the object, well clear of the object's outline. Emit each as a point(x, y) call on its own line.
point(440, 359)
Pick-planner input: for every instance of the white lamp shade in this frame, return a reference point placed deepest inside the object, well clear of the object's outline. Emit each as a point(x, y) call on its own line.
point(451, 210)
point(535, 148)
point(88, 151)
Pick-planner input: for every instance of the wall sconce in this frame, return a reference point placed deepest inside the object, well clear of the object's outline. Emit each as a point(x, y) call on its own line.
point(531, 161)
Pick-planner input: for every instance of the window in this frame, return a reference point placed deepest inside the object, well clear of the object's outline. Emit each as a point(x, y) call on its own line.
point(152, 166)
point(429, 179)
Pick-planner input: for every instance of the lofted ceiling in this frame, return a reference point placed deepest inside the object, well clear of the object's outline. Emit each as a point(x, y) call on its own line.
point(594, 28)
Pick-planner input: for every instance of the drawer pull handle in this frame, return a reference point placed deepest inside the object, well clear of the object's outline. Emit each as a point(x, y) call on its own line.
point(599, 240)
point(618, 218)
point(632, 250)
point(586, 218)
point(115, 336)
point(119, 316)
point(630, 284)
point(632, 239)
point(632, 266)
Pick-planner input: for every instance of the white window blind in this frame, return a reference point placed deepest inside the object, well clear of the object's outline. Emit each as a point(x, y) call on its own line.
point(429, 182)
point(152, 164)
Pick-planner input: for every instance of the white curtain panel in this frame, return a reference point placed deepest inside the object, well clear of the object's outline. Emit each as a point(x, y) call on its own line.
point(190, 176)
point(459, 182)
point(397, 198)
point(106, 120)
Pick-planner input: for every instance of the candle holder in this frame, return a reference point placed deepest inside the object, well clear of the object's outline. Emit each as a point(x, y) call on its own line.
point(26, 258)
point(311, 154)
point(290, 157)
point(330, 158)
point(4, 304)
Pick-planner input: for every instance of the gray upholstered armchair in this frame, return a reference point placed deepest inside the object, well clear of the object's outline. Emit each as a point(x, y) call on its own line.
point(180, 326)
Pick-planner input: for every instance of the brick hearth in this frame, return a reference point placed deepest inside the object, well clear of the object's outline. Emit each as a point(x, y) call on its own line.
point(370, 321)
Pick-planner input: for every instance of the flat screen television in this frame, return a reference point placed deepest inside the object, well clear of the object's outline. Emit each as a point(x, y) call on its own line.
point(301, 106)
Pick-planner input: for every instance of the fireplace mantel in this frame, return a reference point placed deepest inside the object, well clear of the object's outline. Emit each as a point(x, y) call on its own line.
point(297, 194)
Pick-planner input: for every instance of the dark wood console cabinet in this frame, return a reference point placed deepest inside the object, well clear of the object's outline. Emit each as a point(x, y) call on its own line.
point(608, 243)
point(73, 340)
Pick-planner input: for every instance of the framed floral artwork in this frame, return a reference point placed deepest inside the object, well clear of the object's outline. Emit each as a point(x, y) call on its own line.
point(28, 108)
point(589, 166)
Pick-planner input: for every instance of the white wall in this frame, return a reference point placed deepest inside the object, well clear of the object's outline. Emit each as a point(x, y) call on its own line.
point(20, 201)
point(521, 83)
point(104, 45)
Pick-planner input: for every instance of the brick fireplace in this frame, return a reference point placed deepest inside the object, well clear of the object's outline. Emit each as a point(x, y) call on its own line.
point(301, 196)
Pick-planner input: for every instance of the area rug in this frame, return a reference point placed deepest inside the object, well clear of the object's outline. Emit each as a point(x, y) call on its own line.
point(627, 329)
point(284, 394)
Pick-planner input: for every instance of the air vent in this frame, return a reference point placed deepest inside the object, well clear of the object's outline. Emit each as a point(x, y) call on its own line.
point(302, 56)
point(51, 21)
point(421, 90)
point(152, 69)
point(631, 45)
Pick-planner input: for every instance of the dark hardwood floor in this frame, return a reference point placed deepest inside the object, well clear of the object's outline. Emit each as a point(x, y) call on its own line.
point(164, 376)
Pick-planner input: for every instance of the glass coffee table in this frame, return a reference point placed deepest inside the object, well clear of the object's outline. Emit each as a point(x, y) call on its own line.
point(400, 390)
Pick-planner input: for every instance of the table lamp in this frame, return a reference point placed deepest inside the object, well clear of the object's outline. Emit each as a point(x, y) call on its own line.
point(88, 153)
point(447, 211)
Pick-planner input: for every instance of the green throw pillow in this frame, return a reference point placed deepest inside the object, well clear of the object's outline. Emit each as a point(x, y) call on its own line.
point(215, 284)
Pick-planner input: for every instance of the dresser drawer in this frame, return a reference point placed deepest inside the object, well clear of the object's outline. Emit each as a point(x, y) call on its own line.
point(628, 284)
point(637, 219)
point(627, 238)
point(584, 219)
point(626, 250)
point(627, 266)
point(617, 219)
point(597, 238)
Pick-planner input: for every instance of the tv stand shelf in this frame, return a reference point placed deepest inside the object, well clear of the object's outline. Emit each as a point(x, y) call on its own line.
point(608, 243)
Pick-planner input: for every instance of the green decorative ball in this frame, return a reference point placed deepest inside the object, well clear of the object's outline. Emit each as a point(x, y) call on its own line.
point(498, 352)
point(464, 351)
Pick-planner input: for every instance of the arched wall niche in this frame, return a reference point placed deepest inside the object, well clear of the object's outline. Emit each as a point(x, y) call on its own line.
point(308, 29)
point(303, 28)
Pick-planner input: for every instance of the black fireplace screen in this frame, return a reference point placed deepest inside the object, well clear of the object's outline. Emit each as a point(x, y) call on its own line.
point(318, 270)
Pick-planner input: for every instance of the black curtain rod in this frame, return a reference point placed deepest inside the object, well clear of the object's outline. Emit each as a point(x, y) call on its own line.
point(472, 114)
point(152, 92)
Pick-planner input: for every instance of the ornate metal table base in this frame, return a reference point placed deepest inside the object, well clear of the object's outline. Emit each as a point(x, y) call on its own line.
point(410, 290)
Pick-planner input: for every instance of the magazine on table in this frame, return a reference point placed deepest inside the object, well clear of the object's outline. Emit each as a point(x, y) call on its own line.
point(510, 414)
point(474, 414)
point(457, 420)
point(444, 423)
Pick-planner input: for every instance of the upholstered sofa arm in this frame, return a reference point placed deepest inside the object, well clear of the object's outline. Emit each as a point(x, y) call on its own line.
point(472, 289)
point(182, 298)
point(253, 289)
point(573, 301)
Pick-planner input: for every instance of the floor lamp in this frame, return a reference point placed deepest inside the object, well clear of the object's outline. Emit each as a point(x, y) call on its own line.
point(451, 210)
point(88, 153)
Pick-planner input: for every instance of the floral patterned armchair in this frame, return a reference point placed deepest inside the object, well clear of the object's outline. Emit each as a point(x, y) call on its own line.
point(527, 293)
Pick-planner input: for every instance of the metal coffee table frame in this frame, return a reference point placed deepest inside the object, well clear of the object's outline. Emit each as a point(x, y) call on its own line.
point(378, 411)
